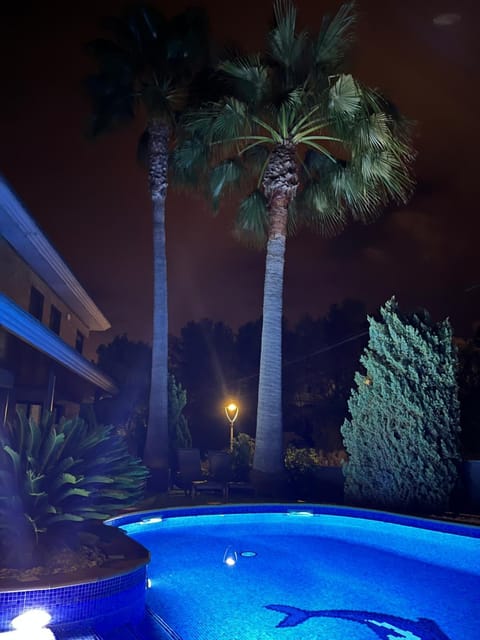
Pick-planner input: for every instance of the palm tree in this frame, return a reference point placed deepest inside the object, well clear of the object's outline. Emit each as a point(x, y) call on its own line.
point(314, 147)
point(146, 69)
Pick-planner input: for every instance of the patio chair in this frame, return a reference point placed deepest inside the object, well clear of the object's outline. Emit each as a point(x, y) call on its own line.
point(189, 469)
point(239, 486)
point(220, 472)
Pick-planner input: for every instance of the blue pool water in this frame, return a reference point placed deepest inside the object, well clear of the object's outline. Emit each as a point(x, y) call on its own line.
point(310, 573)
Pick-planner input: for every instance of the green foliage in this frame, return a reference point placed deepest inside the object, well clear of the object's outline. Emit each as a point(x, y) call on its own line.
point(242, 456)
point(147, 65)
point(402, 438)
point(469, 385)
point(290, 121)
point(57, 477)
point(300, 461)
point(178, 431)
point(303, 467)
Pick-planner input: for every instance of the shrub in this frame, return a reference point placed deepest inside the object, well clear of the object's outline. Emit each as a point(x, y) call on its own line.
point(403, 435)
point(56, 478)
point(178, 431)
point(242, 456)
point(301, 465)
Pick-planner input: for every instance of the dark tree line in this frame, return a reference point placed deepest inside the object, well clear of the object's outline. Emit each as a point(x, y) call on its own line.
point(213, 364)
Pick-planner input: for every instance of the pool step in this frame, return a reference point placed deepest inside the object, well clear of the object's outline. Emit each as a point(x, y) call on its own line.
point(151, 627)
point(154, 624)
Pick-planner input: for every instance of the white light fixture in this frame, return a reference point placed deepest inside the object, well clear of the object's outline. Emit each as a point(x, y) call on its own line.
point(230, 557)
point(151, 520)
point(31, 621)
point(40, 634)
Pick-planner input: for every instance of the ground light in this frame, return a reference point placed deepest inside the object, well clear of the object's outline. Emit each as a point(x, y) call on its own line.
point(230, 557)
point(30, 624)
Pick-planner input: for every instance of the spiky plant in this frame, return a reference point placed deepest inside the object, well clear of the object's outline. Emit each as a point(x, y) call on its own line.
point(54, 477)
point(310, 145)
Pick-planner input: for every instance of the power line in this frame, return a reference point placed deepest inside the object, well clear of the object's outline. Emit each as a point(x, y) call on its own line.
point(310, 355)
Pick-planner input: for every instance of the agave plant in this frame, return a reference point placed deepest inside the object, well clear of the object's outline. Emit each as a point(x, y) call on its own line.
point(54, 477)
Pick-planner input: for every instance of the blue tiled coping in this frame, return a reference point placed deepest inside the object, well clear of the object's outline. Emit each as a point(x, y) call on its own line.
point(100, 605)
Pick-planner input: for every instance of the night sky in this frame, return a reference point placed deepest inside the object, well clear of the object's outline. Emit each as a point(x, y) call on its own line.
point(91, 198)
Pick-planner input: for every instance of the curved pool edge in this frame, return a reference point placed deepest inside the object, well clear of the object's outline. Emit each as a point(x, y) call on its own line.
point(103, 599)
point(423, 522)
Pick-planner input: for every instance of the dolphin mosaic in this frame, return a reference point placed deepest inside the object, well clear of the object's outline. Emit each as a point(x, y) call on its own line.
point(385, 626)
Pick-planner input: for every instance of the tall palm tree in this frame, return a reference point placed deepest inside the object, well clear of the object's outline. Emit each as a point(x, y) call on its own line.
point(147, 69)
point(314, 147)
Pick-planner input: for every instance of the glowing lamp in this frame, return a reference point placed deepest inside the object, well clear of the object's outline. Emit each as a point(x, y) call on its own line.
point(231, 411)
point(31, 621)
point(230, 557)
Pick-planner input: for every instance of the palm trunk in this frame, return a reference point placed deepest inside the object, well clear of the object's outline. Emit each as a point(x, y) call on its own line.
point(280, 185)
point(268, 440)
point(156, 446)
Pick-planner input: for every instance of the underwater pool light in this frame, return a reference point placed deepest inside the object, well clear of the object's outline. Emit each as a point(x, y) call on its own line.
point(230, 557)
point(151, 520)
point(31, 620)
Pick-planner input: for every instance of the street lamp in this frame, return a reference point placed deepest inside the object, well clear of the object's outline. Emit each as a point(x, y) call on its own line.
point(231, 411)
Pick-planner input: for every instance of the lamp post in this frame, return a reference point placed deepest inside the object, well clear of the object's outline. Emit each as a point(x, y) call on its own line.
point(231, 411)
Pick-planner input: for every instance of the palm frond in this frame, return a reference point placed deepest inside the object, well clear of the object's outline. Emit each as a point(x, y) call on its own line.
point(190, 160)
point(356, 148)
point(252, 220)
point(147, 58)
point(363, 201)
point(231, 121)
point(320, 210)
point(285, 46)
point(310, 120)
point(275, 136)
point(334, 38)
point(251, 76)
point(345, 100)
point(222, 177)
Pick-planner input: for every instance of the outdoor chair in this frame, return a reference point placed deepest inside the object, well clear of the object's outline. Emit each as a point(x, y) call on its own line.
point(240, 486)
point(189, 469)
point(220, 472)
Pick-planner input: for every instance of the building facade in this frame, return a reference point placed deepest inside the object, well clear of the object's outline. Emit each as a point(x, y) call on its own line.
point(46, 321)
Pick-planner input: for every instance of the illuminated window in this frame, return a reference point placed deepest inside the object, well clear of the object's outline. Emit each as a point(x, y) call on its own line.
point(55, 319)
point(35, 412)
point(35, 307)
point(79, 342)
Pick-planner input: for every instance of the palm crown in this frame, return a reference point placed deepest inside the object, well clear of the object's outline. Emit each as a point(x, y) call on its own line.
point(148, 61)
point(291, 124)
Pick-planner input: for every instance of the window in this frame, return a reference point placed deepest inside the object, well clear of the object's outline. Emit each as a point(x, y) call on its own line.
point(36, 303)
point(55, 319)
point(79, 342)
point(35, 412)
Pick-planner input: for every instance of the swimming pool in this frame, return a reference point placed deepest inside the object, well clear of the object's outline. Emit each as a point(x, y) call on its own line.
point(308, 572)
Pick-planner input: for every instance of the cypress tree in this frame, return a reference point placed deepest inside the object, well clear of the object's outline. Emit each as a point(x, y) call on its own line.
point(403, 435)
